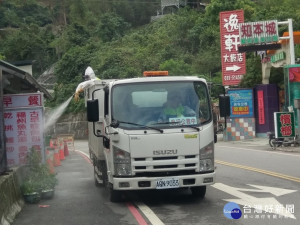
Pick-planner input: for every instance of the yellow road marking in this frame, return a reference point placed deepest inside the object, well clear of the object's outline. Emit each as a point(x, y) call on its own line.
point(274, 174)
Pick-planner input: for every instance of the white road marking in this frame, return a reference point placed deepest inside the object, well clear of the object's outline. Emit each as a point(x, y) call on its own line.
point(269, 205)
point(151, 216)
point(275, 191)
point(87, 155)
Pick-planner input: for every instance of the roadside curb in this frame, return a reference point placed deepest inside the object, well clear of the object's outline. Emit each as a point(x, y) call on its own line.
point(259, 143)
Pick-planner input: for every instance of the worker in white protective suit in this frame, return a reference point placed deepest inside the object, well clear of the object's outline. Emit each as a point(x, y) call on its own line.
point(89, 77)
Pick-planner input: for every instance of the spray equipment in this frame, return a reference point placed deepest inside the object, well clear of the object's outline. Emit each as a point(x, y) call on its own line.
point(56, 113)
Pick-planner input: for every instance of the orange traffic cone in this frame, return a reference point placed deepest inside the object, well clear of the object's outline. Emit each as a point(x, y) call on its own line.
point(66, 150)
point(51, 143)
point(49, 161)
point(61, 151)
point(56, 159)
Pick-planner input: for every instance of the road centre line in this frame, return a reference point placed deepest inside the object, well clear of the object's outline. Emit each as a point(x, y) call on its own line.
point(250, 149)
point(274, 174)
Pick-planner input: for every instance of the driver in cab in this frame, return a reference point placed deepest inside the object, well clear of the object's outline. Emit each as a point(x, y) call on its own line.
point(173, 108)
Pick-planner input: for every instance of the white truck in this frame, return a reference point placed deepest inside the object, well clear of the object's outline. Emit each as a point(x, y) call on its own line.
point(135, 145)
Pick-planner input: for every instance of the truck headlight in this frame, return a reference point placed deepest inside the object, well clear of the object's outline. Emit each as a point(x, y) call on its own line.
point(122, 162)
point(122, 169)
point(206, 155)
point(206, 165)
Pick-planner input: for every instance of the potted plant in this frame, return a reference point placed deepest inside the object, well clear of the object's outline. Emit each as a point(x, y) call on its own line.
point(47, 183)
point(38, 182)
point(30, 189)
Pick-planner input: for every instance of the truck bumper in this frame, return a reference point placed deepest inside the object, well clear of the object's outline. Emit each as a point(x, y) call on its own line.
point(143, 183)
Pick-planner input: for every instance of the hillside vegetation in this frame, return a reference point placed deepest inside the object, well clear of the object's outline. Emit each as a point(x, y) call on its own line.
point(117, 39)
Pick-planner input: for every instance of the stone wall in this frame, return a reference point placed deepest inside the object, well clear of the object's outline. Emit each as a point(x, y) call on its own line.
point(11, 201)
point(75, 124)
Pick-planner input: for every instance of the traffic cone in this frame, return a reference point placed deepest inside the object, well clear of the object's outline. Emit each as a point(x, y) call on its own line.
point(56, 159)
point(49, 161)
point(51, 143)
point(61, 151)
point(66, 150)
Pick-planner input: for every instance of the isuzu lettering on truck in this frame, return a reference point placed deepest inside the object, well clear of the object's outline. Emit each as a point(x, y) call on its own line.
point(152, 132)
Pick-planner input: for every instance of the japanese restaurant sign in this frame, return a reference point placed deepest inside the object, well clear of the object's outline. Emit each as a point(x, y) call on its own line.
point(233, 62)
point(23, 126)
point(284, 124)
point(241, 103)
point(261, 32)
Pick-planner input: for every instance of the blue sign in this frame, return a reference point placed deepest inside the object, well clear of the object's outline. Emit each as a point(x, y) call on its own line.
point(232, 211)
point(241, 103)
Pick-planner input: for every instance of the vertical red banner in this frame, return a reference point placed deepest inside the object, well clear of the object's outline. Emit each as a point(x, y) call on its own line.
point(233, 62)
point(261, 107)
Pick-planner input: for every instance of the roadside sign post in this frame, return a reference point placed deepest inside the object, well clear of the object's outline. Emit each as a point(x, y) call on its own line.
point(284, 124)
point(233, 62)
point(23, 126)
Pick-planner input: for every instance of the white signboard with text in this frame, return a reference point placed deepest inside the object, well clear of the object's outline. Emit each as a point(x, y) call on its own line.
point(23, 126)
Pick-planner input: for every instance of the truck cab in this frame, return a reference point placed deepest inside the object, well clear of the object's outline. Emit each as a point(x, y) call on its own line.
point(151, 133)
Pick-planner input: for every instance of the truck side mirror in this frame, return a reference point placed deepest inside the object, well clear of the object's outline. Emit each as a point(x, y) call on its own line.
point(93, 110)
point(224, 104)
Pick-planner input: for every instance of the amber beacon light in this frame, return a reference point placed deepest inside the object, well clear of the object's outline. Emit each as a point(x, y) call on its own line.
point(155, 73)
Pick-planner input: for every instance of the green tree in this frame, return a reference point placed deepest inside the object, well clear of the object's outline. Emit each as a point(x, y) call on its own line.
point(217, 6)
point(111, 27)
point(30, 42)
point(253, 75)
point(175, 67)
point(73, 35)
point(16, 13)
point(71, 66)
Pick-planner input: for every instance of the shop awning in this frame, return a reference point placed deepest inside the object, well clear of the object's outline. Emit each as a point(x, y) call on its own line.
point(17, 81)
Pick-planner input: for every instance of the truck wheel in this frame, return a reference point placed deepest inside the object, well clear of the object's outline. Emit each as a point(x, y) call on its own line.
point(115, 196)
point(199, 192)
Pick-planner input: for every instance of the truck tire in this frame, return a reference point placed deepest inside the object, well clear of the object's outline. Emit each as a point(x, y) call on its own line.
point(115, 196)
point(199, 192)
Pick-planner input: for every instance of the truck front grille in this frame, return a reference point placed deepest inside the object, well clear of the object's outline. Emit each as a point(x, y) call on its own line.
point(163, 166)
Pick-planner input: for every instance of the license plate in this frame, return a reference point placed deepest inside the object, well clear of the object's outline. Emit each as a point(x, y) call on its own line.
point(167, 183)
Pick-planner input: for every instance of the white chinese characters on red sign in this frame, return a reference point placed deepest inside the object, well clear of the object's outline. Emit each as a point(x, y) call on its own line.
point(233, 62)
point(23, 126)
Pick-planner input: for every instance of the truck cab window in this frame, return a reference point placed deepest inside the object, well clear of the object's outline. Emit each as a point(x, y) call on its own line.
point(163, 105)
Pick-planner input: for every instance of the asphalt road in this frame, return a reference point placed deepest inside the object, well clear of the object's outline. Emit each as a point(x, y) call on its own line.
point(265, 184)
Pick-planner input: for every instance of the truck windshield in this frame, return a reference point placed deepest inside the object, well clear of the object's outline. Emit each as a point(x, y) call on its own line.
point(161, 104)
